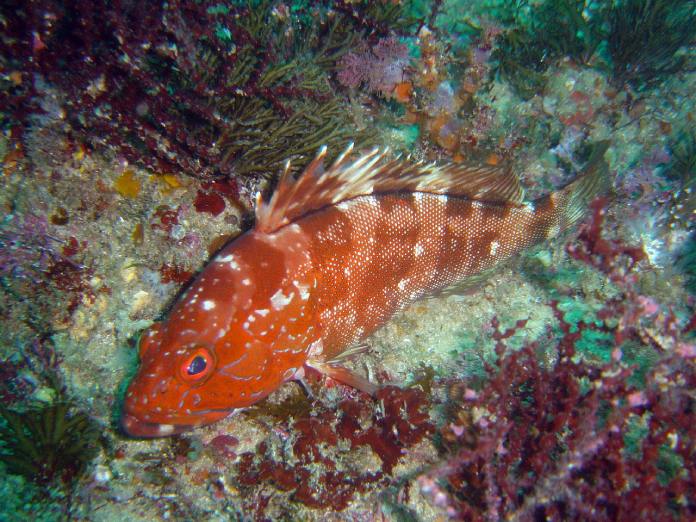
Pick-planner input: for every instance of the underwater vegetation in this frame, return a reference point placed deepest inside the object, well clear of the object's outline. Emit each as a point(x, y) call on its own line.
point(649, 40)
point(39, 274)
point(569, 441)
point(563, 438)
point(541, 35)
point(207, 88)
point(591, 421)
point(316, 468)
point(51, 444)
point(687, 262)
point(682, 168)
point(640, 42)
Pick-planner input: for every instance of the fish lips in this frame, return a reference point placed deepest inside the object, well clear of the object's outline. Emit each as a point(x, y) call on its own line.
point(135, 427)
point(138, 428)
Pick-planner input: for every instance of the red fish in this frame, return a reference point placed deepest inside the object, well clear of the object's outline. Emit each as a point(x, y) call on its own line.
point(333, 256)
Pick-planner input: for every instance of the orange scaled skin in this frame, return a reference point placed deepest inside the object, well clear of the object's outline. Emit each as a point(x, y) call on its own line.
point(334, 255)
point(249, 320)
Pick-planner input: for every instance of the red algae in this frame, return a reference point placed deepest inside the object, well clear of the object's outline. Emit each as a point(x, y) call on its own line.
point(165, 219)
point(397, 420)
point(174, 274)
point(209, 202)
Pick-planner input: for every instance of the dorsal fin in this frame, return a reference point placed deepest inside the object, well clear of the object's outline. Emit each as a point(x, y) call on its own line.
point(376, 172)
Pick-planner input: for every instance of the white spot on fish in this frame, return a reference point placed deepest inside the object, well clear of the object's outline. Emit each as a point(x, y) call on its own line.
point(289, 373)
point(208, 305)
point(280, 300)
point(303, 289)
point(165, 429)
point(418, 249)
point(263, 312)
point(494, 247)
point(246, 281)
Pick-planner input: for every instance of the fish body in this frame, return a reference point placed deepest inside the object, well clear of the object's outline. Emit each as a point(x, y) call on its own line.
point(333, 256)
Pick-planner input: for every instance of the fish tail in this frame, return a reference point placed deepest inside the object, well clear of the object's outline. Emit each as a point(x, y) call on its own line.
point(561, 210)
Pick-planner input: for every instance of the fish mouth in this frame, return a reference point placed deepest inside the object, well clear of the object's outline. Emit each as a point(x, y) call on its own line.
point(135, 427)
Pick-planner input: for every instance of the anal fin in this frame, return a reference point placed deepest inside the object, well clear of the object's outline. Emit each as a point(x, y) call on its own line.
point(345, 376)
point(334, 369)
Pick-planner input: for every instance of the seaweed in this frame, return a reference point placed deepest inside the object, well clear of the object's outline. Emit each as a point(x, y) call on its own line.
point(646, 37)
point(540, 36)
point(682, 170)
point(384, 16)
point(208, 89)
point(686, 262)
point(683, 164)
point(640, 42)
point(50, 444)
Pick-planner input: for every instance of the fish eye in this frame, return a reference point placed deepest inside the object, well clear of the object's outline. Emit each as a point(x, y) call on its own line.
point(197, 366)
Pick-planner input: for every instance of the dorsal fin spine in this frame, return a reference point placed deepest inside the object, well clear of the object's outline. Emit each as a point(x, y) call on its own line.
point(374, 171)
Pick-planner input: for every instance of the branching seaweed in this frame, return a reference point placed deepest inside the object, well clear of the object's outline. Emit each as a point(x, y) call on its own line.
point(640, 42)
point(542, 35)
point(50, 444)
point(646, 38)
point(205, 88)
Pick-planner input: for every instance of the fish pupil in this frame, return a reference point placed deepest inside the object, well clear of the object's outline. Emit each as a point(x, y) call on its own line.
point(197, 365)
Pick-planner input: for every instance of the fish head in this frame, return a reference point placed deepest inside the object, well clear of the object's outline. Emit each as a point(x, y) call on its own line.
point(241, 329)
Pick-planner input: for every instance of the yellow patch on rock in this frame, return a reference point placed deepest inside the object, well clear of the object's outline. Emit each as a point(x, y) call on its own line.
point(127, 185)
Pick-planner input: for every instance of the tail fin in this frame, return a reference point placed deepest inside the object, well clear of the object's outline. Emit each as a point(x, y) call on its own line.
point(562, 209)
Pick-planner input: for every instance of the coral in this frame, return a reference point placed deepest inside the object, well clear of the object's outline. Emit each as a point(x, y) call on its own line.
point(313, 467)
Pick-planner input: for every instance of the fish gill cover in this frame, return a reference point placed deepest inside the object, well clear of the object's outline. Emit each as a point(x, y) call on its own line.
point(134, 139)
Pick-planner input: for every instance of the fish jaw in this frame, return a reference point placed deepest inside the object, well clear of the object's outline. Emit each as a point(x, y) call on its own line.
point(137, 427)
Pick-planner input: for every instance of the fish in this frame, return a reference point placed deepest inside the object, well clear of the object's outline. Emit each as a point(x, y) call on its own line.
point(334, 253)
